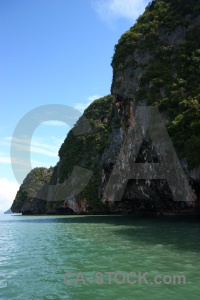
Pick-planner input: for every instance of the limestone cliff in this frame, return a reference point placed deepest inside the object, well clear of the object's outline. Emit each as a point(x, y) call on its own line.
point(83, 150)
point(32, 195)
point(156, 62)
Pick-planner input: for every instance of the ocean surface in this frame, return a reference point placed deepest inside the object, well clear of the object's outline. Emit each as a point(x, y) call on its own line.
point(37, 252)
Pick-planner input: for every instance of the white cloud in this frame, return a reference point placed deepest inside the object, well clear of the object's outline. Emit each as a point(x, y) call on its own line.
point(43, 153)
point(8, 190)
point(82, 106)
point(110, 10)
point(94, 97)
point(4, 160)
point(54, 123)
point(24, 163)
point(37, 145)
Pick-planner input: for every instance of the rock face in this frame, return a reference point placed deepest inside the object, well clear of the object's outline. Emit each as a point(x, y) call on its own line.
point(79, 165)
point(156, 63)
point(32, 195)
point(83, 148)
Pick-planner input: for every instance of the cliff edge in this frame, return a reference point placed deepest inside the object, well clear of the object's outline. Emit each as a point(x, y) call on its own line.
point(156, 63)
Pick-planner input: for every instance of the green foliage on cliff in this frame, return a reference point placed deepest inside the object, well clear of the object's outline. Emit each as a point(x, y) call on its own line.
point(185, 131)
point(145, 33)
point(163, 47)
point(168, 33)
point(85, 150)
point(31, 185)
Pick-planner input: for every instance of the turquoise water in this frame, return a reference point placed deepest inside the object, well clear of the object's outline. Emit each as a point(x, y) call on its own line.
point(37, 251)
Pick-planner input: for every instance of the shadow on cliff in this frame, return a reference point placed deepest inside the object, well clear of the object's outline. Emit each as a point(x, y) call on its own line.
point(181, 233)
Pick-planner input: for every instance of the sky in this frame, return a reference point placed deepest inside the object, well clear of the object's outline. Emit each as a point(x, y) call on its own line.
point(52, 52)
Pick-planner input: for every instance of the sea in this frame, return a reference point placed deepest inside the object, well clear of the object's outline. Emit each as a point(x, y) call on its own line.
point(86, 257)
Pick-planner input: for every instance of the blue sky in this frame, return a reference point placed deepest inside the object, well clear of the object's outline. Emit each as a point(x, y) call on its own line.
point(54, 52)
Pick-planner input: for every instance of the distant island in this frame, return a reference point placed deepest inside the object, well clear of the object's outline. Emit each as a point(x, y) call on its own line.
point(9, 211)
